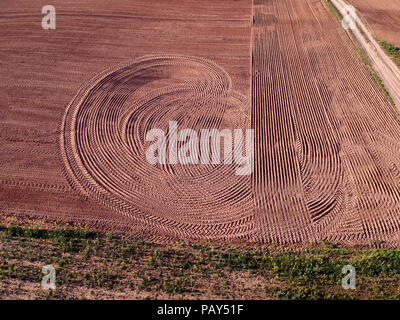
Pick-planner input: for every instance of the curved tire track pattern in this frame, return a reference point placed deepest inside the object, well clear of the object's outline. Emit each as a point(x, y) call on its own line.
point(103, 147)
point(326, 140)
point(325, 166)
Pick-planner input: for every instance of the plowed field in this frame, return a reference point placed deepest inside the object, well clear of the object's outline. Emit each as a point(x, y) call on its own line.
point(77, 103)
point(383, 17)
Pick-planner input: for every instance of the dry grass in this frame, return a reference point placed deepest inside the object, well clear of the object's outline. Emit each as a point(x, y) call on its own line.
point(93, 265)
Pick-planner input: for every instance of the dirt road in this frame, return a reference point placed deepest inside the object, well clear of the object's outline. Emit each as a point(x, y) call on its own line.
point(383, 65)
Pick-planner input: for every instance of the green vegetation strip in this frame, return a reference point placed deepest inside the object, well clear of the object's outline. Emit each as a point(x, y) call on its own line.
point(334, 11)
point(391, 50)
point(95, 264)
point(36, 233)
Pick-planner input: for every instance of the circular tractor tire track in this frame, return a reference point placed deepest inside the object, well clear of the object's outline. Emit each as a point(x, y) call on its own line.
point(325, 165)
point(103, 147)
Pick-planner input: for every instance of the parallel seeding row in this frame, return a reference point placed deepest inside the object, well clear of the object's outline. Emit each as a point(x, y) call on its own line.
point(103, 144)
point(324, 132)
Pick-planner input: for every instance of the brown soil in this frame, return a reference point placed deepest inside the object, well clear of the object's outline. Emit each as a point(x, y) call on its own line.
point(326, 153)
point(382, 16)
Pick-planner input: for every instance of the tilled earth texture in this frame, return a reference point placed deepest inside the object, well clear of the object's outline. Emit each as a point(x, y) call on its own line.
point(76, 103)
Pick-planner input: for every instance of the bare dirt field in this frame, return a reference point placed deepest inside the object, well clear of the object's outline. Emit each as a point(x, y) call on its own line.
point(42, 70)
point(383, 17)
point(77, 103)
